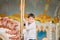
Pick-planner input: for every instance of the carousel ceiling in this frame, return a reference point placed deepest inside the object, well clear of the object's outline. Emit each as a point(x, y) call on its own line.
point(34, 6)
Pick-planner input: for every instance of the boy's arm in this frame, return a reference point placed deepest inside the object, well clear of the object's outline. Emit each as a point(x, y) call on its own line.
point(29, 28)
point(24, 19)
point(26, 24)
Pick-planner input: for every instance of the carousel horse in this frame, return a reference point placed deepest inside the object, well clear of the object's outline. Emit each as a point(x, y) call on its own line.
point(3, 35)
point(10, 24)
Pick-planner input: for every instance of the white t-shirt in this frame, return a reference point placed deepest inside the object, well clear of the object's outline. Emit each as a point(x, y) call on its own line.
point(30, 31)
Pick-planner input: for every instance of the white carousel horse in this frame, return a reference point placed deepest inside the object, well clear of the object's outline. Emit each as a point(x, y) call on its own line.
point(4, 35)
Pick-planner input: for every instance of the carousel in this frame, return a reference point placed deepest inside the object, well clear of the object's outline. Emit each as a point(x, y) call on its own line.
point(47, 29)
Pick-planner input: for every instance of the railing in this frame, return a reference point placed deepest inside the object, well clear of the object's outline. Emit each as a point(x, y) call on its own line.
point(48, 27)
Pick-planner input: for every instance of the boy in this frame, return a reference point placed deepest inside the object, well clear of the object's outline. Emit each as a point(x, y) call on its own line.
point(30, 33)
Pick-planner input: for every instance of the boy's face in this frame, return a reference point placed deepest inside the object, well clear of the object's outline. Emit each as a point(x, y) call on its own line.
point(30, 19)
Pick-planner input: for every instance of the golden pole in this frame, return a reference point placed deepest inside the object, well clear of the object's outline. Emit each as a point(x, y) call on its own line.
point(22, 8)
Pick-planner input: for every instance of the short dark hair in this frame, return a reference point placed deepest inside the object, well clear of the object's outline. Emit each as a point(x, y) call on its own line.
point(31, 15)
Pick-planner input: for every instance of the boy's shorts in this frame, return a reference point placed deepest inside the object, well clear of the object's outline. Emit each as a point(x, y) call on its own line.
point(32, 39)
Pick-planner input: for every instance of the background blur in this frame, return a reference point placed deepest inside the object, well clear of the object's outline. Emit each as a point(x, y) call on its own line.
point(32, 6)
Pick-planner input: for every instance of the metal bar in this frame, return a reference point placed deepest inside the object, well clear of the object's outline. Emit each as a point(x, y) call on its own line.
point(22, 8)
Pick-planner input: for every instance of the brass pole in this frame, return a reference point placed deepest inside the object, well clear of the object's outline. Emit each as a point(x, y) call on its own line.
point(22, 8)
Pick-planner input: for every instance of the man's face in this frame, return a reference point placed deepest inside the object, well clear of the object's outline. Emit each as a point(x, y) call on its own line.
point(30, 19)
